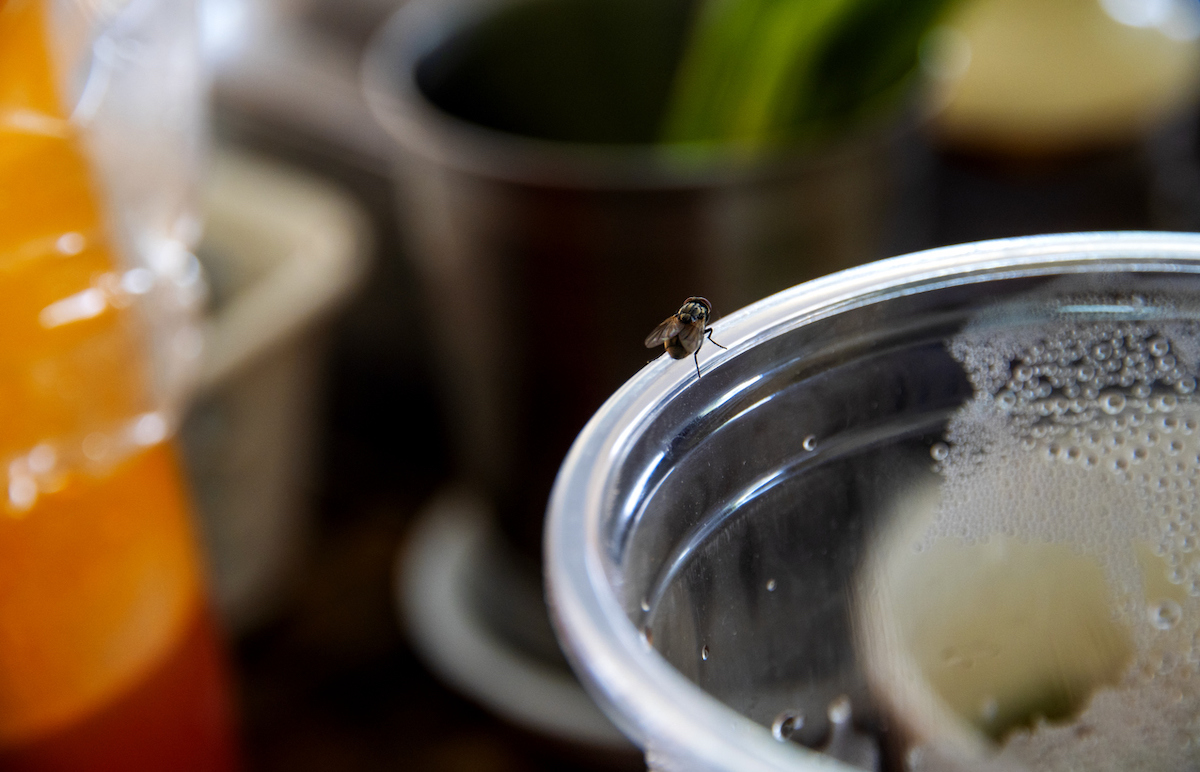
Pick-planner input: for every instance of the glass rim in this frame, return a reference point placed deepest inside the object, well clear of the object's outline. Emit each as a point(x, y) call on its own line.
point(657, 706)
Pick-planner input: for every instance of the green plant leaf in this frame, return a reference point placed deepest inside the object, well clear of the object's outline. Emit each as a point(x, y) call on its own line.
point(763, 72)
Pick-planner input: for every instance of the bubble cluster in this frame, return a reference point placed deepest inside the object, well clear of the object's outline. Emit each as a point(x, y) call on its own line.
point(1096, 419)
point(1087, 433)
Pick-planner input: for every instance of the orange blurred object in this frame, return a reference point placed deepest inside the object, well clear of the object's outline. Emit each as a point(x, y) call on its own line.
point(108, 659)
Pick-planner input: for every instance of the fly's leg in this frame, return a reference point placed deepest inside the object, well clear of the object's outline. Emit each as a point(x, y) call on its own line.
point(708, 332)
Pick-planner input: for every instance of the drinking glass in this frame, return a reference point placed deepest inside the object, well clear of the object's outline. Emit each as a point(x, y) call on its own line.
point(934, 512)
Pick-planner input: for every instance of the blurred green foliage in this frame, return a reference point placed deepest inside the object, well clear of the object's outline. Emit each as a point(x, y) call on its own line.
point(762, 72)
point(690, 73)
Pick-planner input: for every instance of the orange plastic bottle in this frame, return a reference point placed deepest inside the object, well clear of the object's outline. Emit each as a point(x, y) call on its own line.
point(108, 660)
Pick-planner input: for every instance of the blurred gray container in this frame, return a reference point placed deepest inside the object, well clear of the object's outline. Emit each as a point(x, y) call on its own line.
point(546, 263)
point(282, 251)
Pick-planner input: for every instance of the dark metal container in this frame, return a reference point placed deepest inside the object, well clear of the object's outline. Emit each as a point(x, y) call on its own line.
point(547, 255)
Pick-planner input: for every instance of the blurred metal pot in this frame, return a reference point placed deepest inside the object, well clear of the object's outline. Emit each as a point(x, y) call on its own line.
point(546, 262)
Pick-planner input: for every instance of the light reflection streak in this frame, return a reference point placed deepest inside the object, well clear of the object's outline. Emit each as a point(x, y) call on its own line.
point(727, 396)
point(1100, 309)
point(33, 122)
point(633, 508)
point(635, 492)
point(87, 304)
point(755, 406)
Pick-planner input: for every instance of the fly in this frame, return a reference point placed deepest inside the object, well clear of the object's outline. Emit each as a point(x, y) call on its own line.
point(683, 333)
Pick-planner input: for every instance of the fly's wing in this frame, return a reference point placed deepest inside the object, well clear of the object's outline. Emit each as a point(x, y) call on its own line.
point(664, 332)
point(691, 336)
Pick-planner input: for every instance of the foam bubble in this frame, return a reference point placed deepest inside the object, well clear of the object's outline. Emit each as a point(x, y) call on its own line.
point(1165, 614)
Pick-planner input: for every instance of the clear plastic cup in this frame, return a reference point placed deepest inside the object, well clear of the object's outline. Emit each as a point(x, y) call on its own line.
point(722, 552)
